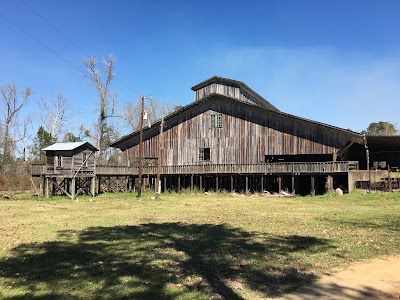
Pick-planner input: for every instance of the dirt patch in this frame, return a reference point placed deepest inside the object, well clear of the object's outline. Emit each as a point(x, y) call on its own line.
point(374, 279)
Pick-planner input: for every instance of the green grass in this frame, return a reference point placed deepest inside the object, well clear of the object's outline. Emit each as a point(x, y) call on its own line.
point(186, 246)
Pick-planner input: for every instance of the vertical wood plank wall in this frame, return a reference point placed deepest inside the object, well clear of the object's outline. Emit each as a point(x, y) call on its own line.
point(231, 91)
point(248, 134)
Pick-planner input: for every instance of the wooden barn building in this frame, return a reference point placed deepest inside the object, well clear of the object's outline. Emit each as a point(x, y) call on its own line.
point(231, 138)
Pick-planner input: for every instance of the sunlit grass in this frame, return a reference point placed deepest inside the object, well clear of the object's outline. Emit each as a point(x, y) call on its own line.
point(196, 246)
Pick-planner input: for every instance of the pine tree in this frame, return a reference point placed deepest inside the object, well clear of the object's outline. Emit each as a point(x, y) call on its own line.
point(40, 141)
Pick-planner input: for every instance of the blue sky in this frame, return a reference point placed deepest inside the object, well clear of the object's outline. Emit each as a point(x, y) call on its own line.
point(336, 62)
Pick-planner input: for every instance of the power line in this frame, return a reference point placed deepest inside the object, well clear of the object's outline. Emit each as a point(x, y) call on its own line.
point(62, 34)
point(70, 40)
point(40, 43)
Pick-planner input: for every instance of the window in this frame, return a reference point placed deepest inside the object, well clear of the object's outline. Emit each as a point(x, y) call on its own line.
point(379, 165)
point(84, 160)
point(204, 154)
point(59, 161)
point(216, 121)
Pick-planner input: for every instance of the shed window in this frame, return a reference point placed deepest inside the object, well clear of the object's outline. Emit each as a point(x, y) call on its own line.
point(216, 121)
point(204, 154)
point(59, 161)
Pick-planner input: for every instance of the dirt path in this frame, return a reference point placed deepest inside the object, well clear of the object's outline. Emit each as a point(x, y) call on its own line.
point(374, 279)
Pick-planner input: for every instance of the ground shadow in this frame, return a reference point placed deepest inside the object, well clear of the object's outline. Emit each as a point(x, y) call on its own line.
point(158, 261)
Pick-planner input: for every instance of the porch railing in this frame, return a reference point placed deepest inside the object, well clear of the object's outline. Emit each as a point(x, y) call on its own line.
point(263, 168)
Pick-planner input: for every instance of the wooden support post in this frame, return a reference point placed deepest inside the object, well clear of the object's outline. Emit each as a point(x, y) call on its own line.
point(232, 189)
point(43, 186)
point(201, 183)
point(329, 184)
point(73, 185)
point(279, 184)
point(108, 184)
point(191, 183)
point(165, 184)
point(312, 192)
point(98, 184)
point(93, 186)
point(262, 183)
point(389, 179)
point(216, 184)
point(53, 186)
point(179, 184)
point(47, 187)
point(293, 187)
point(247, 185)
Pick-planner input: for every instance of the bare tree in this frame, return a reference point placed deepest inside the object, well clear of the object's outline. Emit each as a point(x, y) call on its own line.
point(155, 109)
point(101, 79)
point(55, 115)
point(24, 135)
point(11, 105)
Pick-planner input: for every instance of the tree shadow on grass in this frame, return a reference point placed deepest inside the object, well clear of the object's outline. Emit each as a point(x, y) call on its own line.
point(158, 261)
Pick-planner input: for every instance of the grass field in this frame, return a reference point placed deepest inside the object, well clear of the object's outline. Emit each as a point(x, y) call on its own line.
point(186, 246)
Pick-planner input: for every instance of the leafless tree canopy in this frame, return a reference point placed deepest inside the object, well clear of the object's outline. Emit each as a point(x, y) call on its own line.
point(100, 77)
point(10, 105)
point(55, 115)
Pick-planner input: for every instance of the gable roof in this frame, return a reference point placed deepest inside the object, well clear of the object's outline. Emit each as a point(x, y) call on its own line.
point(239, 84)
point(69, 146)
point(357, 137)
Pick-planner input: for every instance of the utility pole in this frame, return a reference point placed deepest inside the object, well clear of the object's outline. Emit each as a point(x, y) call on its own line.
point(141, 150)
point(160, 146)
point(367, 158)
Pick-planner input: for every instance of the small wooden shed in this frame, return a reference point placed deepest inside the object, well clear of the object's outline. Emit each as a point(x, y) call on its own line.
point(70, 158)
point(70, 168)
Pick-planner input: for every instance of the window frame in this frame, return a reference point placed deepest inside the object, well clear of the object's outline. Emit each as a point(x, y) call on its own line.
point(203, 155)
point(216, 121)
point(59, 161)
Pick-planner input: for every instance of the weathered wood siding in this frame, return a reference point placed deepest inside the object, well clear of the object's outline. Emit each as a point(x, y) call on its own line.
point(78, 160)
point(52, 162)
point(248, 133)
point(231, 91)
point(71, 161)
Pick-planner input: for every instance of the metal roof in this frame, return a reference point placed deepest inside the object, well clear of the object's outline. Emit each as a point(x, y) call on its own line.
point(68, 146)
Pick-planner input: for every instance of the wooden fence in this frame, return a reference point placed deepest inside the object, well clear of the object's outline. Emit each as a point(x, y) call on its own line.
point(266, 168)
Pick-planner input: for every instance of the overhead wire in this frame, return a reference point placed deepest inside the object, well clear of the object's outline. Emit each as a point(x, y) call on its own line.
point(63, 35)
point(71, 41)
point(39, 42)
point(55, 28)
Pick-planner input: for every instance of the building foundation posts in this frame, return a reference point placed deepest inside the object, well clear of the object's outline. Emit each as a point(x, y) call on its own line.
point(312, 191)
point(279, 184)
point(262, 183)
point(293, 185)
point(93, 186)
